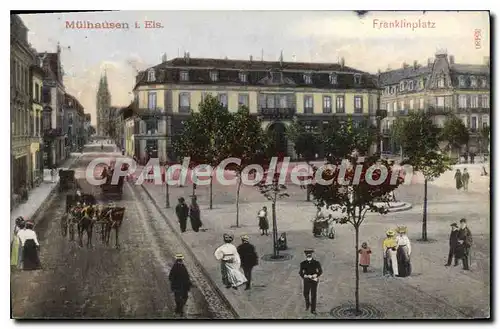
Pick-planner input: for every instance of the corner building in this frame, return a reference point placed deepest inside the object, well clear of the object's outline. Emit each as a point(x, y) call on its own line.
point(277, 92)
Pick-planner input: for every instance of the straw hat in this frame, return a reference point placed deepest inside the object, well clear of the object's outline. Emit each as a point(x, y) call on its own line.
point(390, 233)
point(402, 229)
point(245, 238)
point(179, 256)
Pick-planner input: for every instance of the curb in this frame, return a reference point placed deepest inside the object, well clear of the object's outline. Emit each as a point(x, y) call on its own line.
point(405, 206)
point(220, 294)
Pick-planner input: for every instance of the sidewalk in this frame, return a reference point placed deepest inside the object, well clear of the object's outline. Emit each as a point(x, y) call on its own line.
point(431, 291)
point(39, 195)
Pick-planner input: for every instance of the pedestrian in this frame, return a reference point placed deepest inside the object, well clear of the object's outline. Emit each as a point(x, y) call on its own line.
point(458, 179)
point(389, 247)
point(230, 263)
point(248, 257)
point(16, 248)
point(453, 245)
point(263, 222)
point(465, 179)
point(180, 283)
point(403, 252)
point(53, 174)
point(194, 214)
point(464, 243)
point(182, 211)
point(364, 258)
point(30, 245)
point(310, 271)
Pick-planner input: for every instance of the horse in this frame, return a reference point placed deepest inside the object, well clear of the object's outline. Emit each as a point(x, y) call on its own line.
point(114, 219)
point(86, 224)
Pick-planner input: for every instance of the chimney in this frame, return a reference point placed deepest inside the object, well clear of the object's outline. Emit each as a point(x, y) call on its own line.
point(388, 69)
point(342, 62)
point(452, 59)
point(486, 60)
point(251, 58)
point(186, 57)
point(415, 65)
point(164, 58)
point(430, 61)
point(404, 65)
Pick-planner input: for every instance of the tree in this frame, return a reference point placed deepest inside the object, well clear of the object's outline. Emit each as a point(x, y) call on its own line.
point(341, 192)
point(248, 140)
point(420, 140)
point(397, 131)
point(273, 190)
point(484, 139)
point(455, 133)
point(204, 137)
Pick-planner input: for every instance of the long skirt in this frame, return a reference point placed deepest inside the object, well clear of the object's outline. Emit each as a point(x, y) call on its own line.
point(16, 253)
point(458, 183)
point(403, 259)
point(391, 263)
point(231, 275)
point(31, 261)
point(263, 223)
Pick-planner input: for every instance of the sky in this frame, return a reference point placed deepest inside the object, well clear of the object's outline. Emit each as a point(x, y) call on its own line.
point(367, 43)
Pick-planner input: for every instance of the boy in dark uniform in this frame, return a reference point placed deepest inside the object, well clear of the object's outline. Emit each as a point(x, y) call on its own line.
point(453, 245)
point(180, 283)
point(310, 271)
point(182, 211)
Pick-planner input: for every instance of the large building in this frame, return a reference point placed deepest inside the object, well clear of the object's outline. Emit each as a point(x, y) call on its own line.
point(22, 58)
point(74, 118)
point(278, 92)
point(441, 87)
point(36, 151)
point(103, 105)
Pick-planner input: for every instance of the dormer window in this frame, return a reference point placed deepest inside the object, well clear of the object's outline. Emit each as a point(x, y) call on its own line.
point(307, 78)
point(276, 77)
point(461, 81)
point(243, 77)
point(402, 86)
point(410, 85)
point(387, 90)
point(151, 75)
point(184, 76)
point(214, 76)
point(333, 78)
point(473, 82)
point(357, 79)
point(393, 90)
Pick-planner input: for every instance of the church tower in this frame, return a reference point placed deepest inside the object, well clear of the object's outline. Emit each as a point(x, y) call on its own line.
point(103, 103)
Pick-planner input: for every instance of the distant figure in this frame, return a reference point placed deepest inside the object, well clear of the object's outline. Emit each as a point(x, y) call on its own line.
point(180, 283)
point(53, 174)
point(458, 179)
point(483, 171)
point(364, 256)
point(263, 222)
point(29, 242)
point(195, 214)
point(464, 243)
point(465, 179)
point(182, 211)
point(248, 257)
point(453, 245)
point(310, 271)
point(230, 263)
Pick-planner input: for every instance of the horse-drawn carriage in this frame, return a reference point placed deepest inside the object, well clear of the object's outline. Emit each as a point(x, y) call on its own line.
point(113, 186)
point(83, 214)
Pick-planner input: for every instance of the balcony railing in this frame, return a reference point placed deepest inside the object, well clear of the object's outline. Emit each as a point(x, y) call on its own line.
point(277, 113)
point(439, 110)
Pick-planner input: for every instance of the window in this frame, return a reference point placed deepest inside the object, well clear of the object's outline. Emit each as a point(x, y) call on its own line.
point(402, 86)
point(184, 103)
point(333, 79)
point(32, 124)
point(473, 82)
point(223, 99)
point(282, 101)
point(461, 81)
point(358, 104)
point(276, 77)
point(357, 79)
point(308, 104)
point(151, 125)
point(402, 105)
point(243, 77)
point(441, 82)
point(389, 107)
point(393, 90)
point(387, 90)
point(410, 85)
point(411, 104)
point(151, 75)
point(152, 100)
point(243, 100)
point(473, 122)
point(307, 79)
point(184, 76)
point(340, 104)
point(270, 102)
point(440, 101)
point(46, 95)
point(485, 120)
point(327, 104)
point(474, 101)
point(462, 101)
point(70, 119)
point(421, 103)
point(395, 106)
point(37, 93)
point(485, 102)
point(484, 82)
point(214, 75)
point(421, 84)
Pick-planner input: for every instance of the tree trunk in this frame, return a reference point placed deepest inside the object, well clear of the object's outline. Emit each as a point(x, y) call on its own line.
point(275, 232)
point(424, 217)
point(308, 191)
point(211, 189)
point(356, 293)
point(238, 202)
point(167, 193)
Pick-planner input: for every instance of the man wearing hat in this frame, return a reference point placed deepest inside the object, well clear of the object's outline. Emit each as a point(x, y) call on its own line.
point(180, 283)
point(464, 243)
point(248, 257)
point(310, 271)
point(453, 245)
point(182, 211)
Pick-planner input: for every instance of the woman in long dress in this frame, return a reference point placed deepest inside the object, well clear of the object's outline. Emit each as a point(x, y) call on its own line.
point(195, 215)
point(263, 222)
point(16, 249)
point(403, 253)
point(230, 263)
point(30, 245)
point(389, 250)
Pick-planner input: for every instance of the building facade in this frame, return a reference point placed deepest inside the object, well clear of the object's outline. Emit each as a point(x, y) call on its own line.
point(277, 92)
point(22, 58)
point(443, 88)
point(103, 105)
point(87, 128)
point(36, 147)
point(74, 117)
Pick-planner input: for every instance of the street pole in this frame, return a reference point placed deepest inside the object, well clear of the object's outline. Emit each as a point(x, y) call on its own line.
point(167, 189)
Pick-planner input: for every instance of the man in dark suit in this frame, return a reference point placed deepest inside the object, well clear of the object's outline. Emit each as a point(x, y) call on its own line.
point(180, 283)
point(182, 211)
point(310, 271)
point(248, 257)
point(464, 243)
point(453, 245)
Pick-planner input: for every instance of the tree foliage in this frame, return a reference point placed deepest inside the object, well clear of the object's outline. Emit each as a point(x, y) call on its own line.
point(484, 138)
point(455, 133)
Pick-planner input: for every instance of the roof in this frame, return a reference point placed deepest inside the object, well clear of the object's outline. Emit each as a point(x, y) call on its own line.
point(470, 69)
point(72, 102)
point(258, 73)
point(395, 76)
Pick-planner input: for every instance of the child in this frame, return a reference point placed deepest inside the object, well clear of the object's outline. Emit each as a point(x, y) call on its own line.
point(364, 259)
